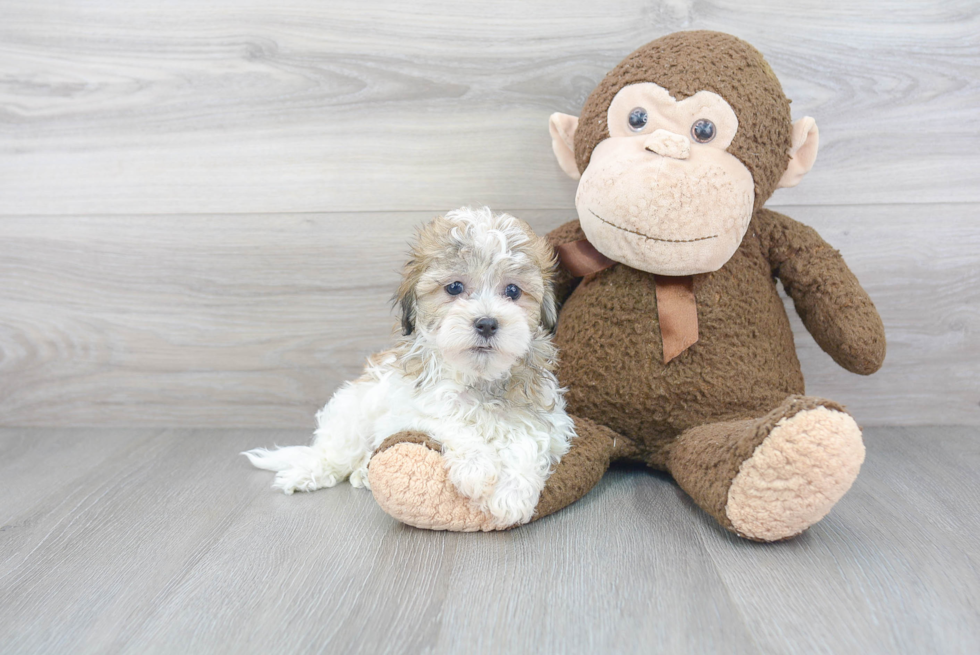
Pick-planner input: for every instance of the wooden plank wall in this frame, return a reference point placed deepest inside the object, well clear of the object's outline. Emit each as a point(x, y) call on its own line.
point(203, 206)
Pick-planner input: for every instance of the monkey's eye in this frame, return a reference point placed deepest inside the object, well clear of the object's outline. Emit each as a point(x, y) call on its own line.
point(512, 291)
point(638, 119)
point(454, 288)
point(703, 130)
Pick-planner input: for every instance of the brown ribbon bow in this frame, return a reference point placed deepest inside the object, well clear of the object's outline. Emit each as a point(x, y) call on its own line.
point(677, 307)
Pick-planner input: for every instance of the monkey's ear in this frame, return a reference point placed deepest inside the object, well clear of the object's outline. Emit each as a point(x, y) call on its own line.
point(562, 128)
point(803, 152)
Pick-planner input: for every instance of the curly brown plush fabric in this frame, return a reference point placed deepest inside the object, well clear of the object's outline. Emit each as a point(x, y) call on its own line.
point(703, 414)
point(827, 295)
point(612, 361)
point(584, 465)
point(744, 364)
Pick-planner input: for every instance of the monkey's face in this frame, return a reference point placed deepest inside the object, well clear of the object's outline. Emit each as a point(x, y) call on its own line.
point(662, 194)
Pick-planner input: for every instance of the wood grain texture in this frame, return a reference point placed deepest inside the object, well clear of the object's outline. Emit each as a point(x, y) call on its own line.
point(33, 468)
point(254, 320)
point(176, 545)
point(239, 106)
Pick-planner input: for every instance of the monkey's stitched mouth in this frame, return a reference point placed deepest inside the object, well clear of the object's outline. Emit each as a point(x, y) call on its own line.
point(647, 236)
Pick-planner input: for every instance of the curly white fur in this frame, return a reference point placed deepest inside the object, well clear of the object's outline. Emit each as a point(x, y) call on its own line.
point(493, 403)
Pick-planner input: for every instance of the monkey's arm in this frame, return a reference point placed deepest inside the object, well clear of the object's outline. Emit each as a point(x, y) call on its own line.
point(834, 307)
point(564, 281)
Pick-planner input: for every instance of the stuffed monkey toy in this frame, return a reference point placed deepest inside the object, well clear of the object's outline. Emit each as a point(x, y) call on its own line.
point(674, 344)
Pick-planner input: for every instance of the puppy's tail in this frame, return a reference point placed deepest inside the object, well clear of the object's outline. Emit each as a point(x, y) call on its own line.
point(274, 460)
point(299, 468)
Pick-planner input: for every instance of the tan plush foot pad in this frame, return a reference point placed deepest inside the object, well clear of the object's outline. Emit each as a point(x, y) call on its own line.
point(805, 465)
point(409, 481)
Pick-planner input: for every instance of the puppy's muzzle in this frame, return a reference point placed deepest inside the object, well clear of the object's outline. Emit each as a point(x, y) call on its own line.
point(486, 327)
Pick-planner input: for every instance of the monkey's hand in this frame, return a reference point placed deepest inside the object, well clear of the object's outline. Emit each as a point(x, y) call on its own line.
point(834, 307)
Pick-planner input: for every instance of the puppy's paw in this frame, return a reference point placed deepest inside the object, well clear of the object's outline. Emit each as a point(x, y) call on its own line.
point(299, 468)
point(473, 475)
point(513, 500)
point(359, 478)
point(411, 484)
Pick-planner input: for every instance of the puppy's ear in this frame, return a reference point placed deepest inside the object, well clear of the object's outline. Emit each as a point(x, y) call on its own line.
point(549, 308)
point(427, 240)
point(547, 260)
point(407, 303)
point(406, 300)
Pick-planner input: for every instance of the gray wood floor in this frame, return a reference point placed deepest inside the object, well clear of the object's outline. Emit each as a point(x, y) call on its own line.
point(125, 540)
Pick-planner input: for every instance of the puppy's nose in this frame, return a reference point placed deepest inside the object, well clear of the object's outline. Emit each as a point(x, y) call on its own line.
point(486, 326)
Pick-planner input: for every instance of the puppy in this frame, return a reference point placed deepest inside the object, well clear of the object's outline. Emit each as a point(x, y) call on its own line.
point(473, 368)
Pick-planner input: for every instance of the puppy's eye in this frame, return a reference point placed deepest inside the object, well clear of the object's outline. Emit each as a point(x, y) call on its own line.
point(638, 119)
point(454, 288)
point(703, 130)
point(512, 291)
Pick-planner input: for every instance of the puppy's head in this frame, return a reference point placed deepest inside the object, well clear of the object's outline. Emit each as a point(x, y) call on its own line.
point(477, 289)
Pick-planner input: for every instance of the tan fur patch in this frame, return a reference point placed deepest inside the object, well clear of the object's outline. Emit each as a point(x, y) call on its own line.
point(796, 475)
point(410, 483)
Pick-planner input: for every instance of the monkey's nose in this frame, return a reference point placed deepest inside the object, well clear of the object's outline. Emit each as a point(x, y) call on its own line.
point(667, 144)
point(486, 326)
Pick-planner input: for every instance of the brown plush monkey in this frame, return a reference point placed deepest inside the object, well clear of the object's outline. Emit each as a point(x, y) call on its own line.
point(674, 344)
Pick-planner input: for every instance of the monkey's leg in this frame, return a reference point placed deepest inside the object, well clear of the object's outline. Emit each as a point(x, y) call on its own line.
point(771, 478)
point(583, 466)
point(408, 478)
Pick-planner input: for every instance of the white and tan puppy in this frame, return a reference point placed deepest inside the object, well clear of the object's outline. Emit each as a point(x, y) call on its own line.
point(473, 369)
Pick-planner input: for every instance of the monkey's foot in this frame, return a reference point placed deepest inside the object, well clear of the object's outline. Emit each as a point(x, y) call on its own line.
point(410, 483)
point(793, 478)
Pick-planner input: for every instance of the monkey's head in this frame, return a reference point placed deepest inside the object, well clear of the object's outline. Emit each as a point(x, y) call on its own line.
point(677, 147)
